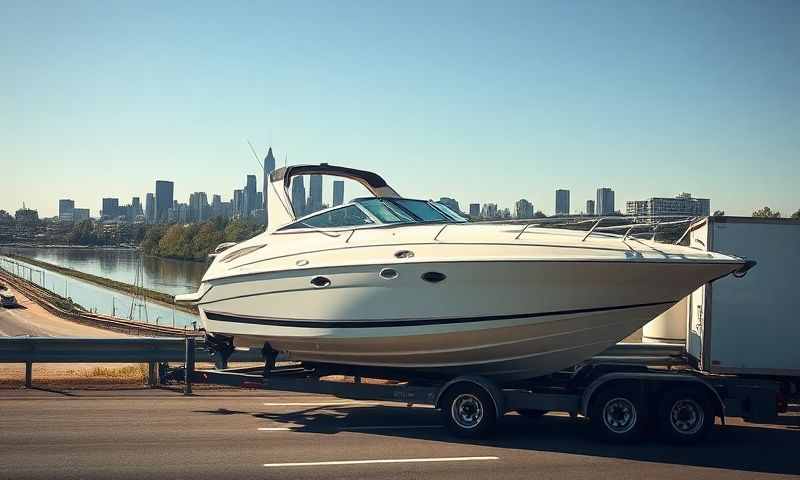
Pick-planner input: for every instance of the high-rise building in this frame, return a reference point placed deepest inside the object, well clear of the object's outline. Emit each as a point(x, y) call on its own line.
point(65, 208)
point(489, 211)
point(110, 208)
point(238, 203)
point(474, 210)
point(135, 209)
point(682, 205)
point(589, 207)
point(315, 193)
point(298, 196)
point(269, 167)
point(80, 214)
point(605, 201)
point(164, 200)
point(250, 198)
point(562, 202)
point(149, 208)
point(523, 209)
point(198, 207)
point(338, 192)
point(216, 206)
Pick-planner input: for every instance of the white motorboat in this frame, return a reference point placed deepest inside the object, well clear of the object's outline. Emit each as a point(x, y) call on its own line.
point(394, 283)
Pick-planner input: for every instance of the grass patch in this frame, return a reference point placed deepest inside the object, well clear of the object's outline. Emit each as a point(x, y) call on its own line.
point(128, 372)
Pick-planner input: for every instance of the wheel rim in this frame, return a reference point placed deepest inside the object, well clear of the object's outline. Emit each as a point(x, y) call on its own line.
point(619, 415)
point(686, 416)
point(467, 411)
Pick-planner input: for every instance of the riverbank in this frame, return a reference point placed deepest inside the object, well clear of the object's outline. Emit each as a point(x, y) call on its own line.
point(152, 295)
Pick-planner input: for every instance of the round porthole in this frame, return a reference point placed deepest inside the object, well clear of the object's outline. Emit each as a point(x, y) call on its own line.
point(388, 273)
point(433, 277)
point(404, 254)
point(320, 282)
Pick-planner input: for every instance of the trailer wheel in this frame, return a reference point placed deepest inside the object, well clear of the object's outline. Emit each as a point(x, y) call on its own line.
point(617, 413)
point(468, 410)
point(685, 415)
point(532, 413)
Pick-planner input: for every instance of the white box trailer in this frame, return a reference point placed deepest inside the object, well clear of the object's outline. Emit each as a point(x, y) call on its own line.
point(751, 325)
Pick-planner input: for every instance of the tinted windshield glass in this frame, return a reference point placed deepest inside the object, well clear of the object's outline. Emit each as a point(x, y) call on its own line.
point(348, 216)
point(421, 209)
point(384, 211)
point(449, 212)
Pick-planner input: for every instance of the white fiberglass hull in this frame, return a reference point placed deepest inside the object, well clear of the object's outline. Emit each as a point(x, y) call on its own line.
point(502, 319)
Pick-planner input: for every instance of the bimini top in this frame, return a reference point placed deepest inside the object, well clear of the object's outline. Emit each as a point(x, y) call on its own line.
point(279, 203)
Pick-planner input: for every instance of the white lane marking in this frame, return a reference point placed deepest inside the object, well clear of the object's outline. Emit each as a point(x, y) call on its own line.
point(388, 460)
point(315, 404)
point(358, 428)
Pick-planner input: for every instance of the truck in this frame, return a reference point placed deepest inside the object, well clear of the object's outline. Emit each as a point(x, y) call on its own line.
point(740, 359)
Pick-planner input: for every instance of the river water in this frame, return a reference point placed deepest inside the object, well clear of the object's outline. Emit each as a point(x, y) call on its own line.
point(164, 275)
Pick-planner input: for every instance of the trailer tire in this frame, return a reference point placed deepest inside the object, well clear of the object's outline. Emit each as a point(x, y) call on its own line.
point(617, 413)
point(468, 410)
point(532, 413)
point(685, 415)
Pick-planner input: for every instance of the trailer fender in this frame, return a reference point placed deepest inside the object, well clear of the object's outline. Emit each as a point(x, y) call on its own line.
point(654, 378)
point(493, 390)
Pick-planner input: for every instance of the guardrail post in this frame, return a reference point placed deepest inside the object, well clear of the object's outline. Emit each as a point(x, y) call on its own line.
point(189, 367)
point(152, 374)
point(28, 374)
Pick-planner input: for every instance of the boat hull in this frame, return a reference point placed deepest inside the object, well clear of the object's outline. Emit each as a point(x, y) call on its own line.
point(504, 320)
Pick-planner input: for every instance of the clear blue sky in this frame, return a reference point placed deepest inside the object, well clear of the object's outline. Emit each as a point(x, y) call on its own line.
point(485, 102)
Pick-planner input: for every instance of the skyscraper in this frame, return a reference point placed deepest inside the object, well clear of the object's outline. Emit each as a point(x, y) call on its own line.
point(149, 208)
point(338, 192)
point(269, 167)
point(216, 206)
point(164, 199)
point(315, 193)
point(65, 208)
point(605, 201)
point(110, 208)
point(475, 210)
point(562, 202)
point(523, 209)
point(238, 203)
point(250, 199)
point(589, 207)
point(298, 196)
point(198, 207)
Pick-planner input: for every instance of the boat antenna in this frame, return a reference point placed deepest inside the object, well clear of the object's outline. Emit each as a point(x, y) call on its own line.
point(256, 155)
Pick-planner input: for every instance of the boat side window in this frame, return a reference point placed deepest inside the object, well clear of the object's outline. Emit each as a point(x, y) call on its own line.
point(421, 209)
point(348, 216)
point(385, 212)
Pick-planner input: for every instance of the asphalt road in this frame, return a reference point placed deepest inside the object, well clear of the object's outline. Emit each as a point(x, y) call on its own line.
point(31, 319)
point(252, 434)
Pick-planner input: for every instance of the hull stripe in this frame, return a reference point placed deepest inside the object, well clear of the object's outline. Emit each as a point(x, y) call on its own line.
point(411, 322)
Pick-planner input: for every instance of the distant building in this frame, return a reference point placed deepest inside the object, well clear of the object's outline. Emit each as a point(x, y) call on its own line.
point(110, 208)
point(683, 205)
point(450, 203)
point(80, 214)
point(250, 198)
point(164, 200)
point(589, 207)
point(149, 208)
point(198, 207)
point(562, 202)
point(269, 167)
point(605, 201)
point(489, 211)
point(475, 210)
point(65, 208)
point(298, 196)
point(315, 194)
point(523, 209)
point(238, 203)
point(135, 210)
point(216, 206)
point(26, 216)
point(338, 192)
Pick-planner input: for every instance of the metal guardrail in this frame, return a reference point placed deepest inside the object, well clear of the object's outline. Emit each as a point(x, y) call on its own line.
point(150, 350)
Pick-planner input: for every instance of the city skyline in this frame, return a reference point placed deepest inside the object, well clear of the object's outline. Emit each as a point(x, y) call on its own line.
point(641, 96)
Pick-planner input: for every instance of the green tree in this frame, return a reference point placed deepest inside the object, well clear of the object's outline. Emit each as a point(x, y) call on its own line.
point(796, 215)
point(766, 212)
point(719, 213)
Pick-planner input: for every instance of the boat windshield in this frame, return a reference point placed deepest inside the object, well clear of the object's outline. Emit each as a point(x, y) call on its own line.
point(404, 210)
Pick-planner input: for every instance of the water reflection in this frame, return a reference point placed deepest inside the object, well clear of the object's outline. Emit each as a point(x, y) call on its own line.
point(160, 274)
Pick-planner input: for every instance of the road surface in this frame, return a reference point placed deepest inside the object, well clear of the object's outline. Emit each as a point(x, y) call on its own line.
point(254, 434)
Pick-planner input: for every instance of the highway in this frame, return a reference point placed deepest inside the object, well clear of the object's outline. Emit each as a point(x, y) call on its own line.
point(255, 434)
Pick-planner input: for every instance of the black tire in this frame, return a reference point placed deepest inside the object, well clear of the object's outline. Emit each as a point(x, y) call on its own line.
point(686, 415)
point(532, 413)
point(469, 411)
point(617, 413)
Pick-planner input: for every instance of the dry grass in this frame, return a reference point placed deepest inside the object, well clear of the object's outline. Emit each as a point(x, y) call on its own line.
point(128, 372)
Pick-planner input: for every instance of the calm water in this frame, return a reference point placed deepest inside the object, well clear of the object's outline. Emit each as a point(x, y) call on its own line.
point(160, 274)
point(168, 276)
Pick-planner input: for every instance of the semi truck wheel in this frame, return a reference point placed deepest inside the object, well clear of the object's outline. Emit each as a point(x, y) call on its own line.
point(685, 415)
point(617, 413)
